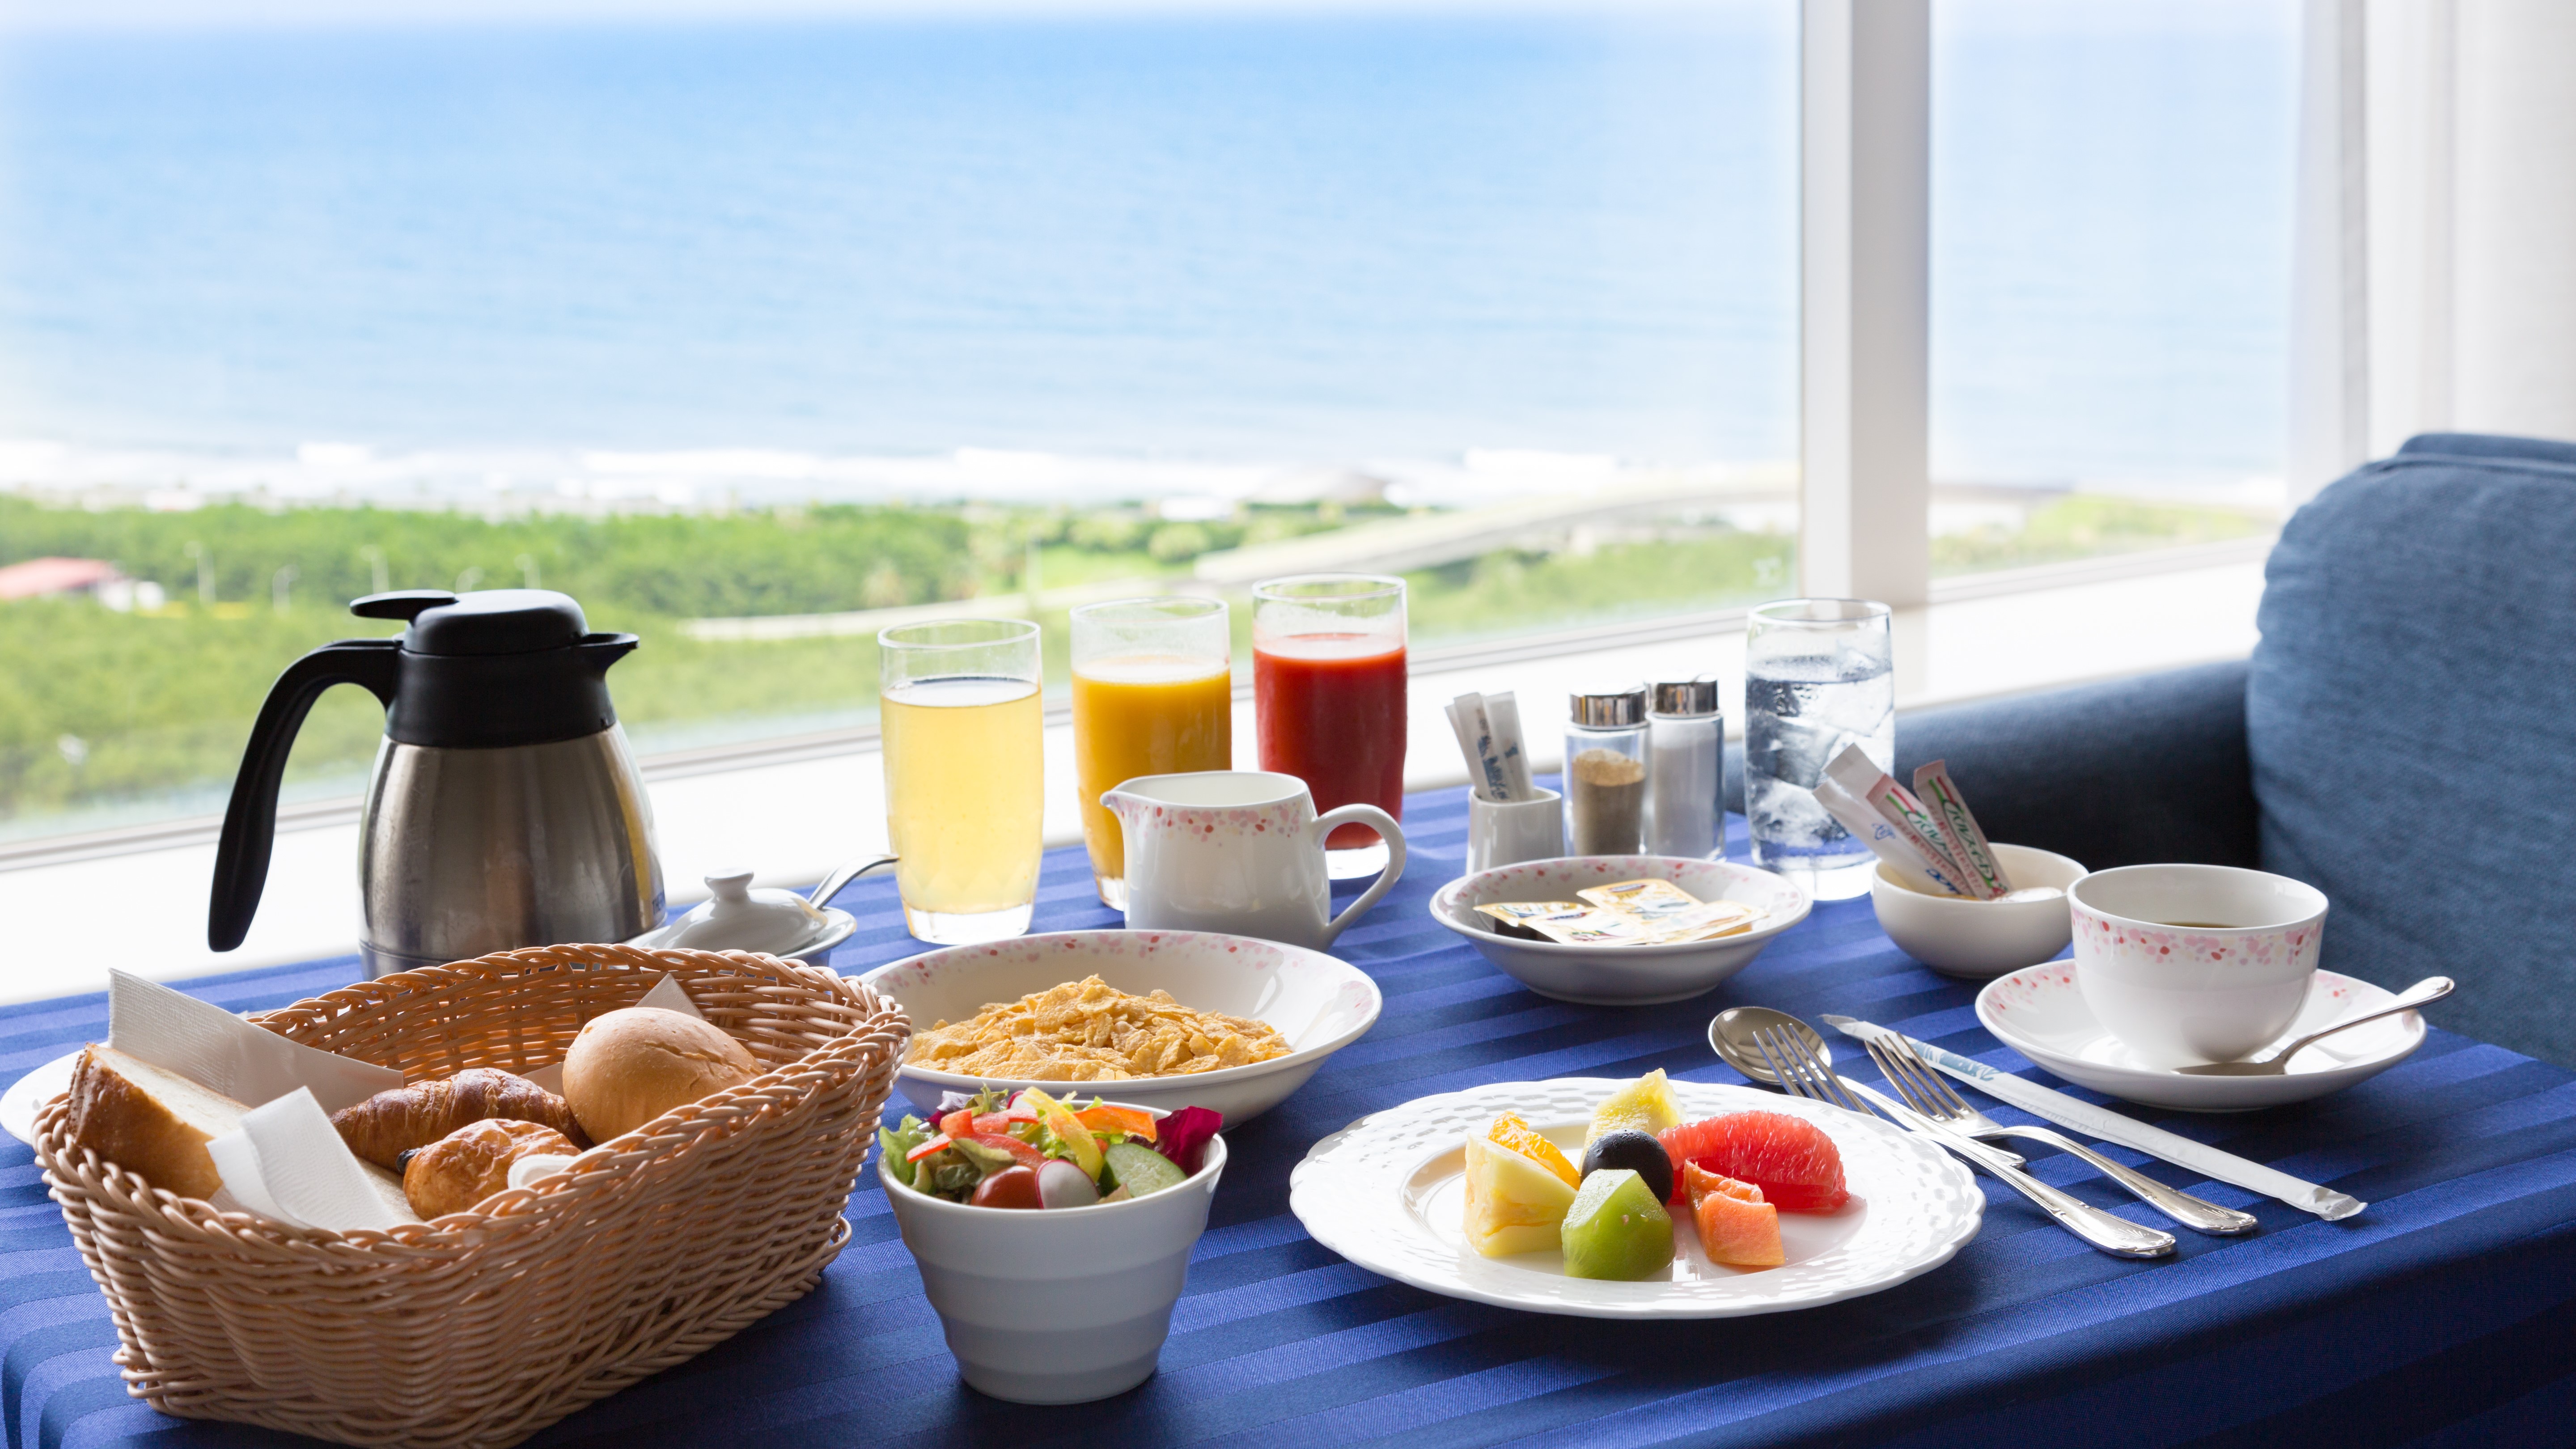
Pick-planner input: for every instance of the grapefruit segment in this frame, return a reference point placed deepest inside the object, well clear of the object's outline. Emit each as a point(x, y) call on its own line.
point(1790, 1158)
point(1737, 1229)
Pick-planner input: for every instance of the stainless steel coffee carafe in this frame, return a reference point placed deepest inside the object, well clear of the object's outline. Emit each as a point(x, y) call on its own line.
point(505, 809)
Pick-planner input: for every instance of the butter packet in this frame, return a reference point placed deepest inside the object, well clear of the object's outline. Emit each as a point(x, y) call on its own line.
point(1708, 923)
point(1650, 901)
point(1585, 926)
point(1511, 918)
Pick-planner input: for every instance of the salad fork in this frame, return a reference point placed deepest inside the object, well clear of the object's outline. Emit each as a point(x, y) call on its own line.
point(1923, 1090)
point(1795, 1066)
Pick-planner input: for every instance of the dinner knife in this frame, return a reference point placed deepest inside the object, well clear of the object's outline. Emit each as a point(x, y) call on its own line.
point(2054, 1106)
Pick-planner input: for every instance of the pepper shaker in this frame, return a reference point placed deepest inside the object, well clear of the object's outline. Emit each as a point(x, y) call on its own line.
point(1685, 770)
point(1605, 771)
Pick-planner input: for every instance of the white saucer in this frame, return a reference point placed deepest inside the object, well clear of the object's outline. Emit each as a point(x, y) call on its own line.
point(43, 1084)
point(1387, 1193)
point(2039, 1013)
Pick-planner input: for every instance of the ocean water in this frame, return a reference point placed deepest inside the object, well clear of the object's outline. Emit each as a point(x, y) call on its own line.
point(1304, 239)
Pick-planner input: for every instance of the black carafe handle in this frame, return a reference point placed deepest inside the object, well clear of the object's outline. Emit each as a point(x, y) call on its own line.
point(250, 821)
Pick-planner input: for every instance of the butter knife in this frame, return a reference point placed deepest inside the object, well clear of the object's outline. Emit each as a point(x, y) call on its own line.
point(2054, 1106)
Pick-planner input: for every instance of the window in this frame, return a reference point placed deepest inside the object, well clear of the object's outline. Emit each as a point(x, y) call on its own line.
point(722, 326)
point(2111, 213)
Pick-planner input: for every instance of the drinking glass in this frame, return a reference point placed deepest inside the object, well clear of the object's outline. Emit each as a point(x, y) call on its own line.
point(965, 774)
point(1819, 676)
point(1328, 699)
point(1153, 694)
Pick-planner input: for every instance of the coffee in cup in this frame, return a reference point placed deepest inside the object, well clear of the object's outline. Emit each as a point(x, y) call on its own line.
point(2195, 963)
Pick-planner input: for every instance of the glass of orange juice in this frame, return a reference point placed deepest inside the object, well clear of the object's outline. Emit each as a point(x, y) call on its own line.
point(1153, 694)
point(965, 777)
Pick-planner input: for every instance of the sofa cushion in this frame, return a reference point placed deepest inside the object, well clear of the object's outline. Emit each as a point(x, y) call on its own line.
point(2411, 722)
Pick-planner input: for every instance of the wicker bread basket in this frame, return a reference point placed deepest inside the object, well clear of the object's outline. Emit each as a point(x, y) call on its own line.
point(483, 1327)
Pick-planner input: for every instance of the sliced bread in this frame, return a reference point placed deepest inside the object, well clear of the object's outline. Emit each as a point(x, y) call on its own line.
point(151, 1122)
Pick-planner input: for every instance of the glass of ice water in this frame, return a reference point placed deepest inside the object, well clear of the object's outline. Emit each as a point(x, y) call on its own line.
point(1818, 676)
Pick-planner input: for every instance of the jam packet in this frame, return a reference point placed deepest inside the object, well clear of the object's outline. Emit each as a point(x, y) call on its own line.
point(1650, 901)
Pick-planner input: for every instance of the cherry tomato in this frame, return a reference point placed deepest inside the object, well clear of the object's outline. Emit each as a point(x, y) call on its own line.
point(1012, 1187)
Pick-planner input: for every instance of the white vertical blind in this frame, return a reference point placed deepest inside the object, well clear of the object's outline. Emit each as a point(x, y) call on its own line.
point(2472, 218)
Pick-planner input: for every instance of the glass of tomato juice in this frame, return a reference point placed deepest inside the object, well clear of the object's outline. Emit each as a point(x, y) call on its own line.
point(1328, 699)
point(1153, 694)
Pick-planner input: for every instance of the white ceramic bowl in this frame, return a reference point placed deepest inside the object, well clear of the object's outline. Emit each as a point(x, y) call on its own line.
point(1980, 940)
point(1320, 1004)
point(1058, 1305)
point(1619, 975)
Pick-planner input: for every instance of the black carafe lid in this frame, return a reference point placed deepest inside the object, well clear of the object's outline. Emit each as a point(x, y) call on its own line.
point(497, 668)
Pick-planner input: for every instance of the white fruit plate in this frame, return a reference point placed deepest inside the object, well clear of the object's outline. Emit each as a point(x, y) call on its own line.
point(1388, 1192)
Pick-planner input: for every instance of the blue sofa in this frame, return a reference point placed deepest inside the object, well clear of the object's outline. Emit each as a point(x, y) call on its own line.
point(2404, 737)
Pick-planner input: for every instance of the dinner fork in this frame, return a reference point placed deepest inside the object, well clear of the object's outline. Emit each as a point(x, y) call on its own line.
point(1802, 1073)
point(1925, 1092)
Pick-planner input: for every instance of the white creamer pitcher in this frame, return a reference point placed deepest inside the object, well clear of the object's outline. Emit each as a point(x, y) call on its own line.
point(1239, 851)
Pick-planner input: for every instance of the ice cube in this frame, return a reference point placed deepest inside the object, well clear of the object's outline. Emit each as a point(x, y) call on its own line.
point(1792, 749)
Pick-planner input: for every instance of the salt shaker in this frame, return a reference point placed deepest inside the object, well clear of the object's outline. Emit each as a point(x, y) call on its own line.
point(1605, 772)
point(1685, 770)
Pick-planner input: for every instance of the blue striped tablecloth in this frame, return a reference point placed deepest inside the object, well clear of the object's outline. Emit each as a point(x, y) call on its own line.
point(2446, 1314)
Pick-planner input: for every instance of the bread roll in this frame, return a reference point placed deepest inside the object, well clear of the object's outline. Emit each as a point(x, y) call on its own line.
point(628, 1067)
point(151, 1122)
point(389, 1124)
point(473, 1162)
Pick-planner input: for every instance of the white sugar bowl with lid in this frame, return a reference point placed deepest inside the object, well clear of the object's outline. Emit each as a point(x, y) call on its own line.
point(736, 917)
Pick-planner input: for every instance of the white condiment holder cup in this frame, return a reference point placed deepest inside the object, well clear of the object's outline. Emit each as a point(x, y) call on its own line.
point(1511, 831)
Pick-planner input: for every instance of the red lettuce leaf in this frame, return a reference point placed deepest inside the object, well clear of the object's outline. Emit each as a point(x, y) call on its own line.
point(1183, 1135)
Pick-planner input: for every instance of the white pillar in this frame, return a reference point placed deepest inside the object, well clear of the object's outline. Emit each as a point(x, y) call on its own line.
point(2412, 150)
point(2330, 274)
point(1864, 299)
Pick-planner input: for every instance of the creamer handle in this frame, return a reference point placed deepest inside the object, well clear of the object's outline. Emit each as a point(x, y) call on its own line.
point(1392, 833)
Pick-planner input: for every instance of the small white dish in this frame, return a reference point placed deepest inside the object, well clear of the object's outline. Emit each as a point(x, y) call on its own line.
point(1387, 1192)
point(2041, 1013)
point(1980, 940)
point(1318, 1003)
point(1619, 975)
point(28, 1094)
point(1057, 1305)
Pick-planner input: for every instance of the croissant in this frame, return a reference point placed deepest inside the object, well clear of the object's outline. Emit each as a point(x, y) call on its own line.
point(472, 1163)
point(390, 1123)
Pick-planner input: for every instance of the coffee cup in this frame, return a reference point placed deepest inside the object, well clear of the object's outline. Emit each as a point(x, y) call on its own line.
point(2195, 963)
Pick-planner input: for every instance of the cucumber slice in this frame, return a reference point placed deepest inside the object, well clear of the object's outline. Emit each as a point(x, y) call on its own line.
point(1140, 1169)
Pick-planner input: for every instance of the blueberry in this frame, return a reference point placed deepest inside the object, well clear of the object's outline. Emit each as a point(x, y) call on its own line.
point(1636, 1151)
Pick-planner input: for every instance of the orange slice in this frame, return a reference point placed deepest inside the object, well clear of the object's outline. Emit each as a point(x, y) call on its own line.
point(1511, 1132)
